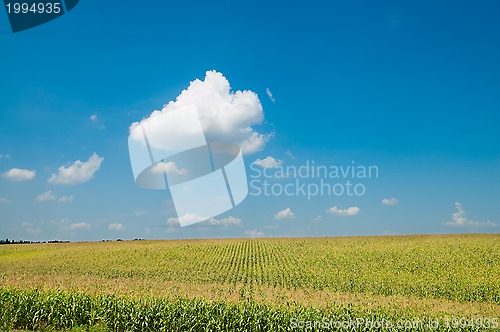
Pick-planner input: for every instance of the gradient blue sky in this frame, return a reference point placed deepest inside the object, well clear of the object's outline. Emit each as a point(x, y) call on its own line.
point(410, 87)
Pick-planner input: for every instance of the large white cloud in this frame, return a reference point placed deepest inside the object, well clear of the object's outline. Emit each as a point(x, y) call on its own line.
point(460, 219)
point(284, 214)
point(225, 115)
point(351, 211)
point(78, 172)
point(17, 174)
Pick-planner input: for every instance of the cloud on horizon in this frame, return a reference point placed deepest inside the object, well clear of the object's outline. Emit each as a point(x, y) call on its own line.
point(460, 220)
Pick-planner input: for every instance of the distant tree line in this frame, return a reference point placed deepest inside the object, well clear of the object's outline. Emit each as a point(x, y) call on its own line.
point(7, 241)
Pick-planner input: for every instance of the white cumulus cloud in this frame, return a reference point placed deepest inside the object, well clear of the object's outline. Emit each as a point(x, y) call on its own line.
point(93, 118)
point(268, 162)
point(390, 201)
point(78, 172)
point(17, 174)
point(460, 219)
point(284, 214)
point(253, 233)
point(225, 115)
point(116, 227)
point(351, 211)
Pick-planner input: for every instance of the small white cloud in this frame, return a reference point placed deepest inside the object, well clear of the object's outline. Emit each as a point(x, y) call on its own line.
point(78, 172)
point(270, 95)
point(390, 201)
point(80, 225)
point(268, 162)
point(284, 214)
point(116, 227)
point(224, 221)
point(317, 218)
point(460, 220)
point(168, 167)
point(4, 156)
point(93, 118)
point(17, 174)
point(5, 201)
point(290, 154)
point(351, 211)
point(253, 233)
point(45, 197)
point(65, 199)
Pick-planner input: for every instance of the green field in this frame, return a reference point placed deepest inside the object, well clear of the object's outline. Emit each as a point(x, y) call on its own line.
point(254, 284)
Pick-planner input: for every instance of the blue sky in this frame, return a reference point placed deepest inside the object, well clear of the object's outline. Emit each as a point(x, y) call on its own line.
point(409, 87)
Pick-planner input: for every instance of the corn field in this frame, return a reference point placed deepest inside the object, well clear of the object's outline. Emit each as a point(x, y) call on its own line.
point(250, 285)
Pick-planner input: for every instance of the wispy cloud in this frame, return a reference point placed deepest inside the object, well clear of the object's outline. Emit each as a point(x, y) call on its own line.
point(460, 219)
point(48, 196)
point(81, 225)
point(78, 172)
point(30, 228)
point(45, 197)
point(270, 95)
point(284, 214)
point(17, 174)
point(351, 211)
point(290, 154)
point(5, 201)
